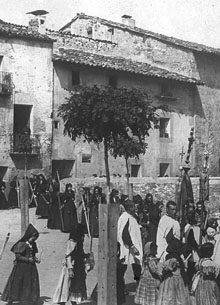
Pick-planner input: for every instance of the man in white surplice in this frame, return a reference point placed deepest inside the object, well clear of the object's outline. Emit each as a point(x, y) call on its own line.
point(167, 222)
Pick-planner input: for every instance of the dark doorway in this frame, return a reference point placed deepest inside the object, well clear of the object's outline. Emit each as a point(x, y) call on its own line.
point(22, 130)
point(63, 167)
point(21, 117)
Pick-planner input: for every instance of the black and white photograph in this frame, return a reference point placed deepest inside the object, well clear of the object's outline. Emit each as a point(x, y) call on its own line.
point(110, 152)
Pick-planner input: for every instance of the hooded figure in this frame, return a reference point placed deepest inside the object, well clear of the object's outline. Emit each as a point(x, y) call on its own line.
point(72, 282)
point(23, 283)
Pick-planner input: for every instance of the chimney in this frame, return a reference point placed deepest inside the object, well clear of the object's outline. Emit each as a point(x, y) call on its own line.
point(127, 20)
point(37, 21)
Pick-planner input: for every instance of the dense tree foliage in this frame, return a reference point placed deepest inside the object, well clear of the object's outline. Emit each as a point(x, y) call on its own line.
point(120, 118)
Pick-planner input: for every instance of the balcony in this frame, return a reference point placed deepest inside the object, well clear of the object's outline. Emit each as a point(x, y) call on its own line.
point(21, 144)
point(6, 85)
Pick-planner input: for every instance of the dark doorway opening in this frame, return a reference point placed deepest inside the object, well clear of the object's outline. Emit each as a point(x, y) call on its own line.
point(22, 130)
point(63, 167)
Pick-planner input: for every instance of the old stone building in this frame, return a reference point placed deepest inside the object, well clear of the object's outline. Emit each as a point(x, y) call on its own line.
point(44, 65)
point(25, 99)
point(183, 75)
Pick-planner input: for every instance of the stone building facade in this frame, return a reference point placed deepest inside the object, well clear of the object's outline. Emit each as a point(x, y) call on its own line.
point(25, 100)
point(46, 64)
point(177, 73)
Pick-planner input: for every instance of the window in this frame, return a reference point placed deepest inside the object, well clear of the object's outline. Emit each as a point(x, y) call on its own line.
point(89, 32)
point(56, 124)
point(75, 78)
point(86, 158)
point(1, 58)
point(164, 128)
point(110, 34)
point(112, 81)
point(164, 170)
point(135, 170)
point(166, 91)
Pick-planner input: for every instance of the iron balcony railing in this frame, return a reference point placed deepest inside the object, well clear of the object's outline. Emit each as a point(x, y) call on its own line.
point(21, 143)
point(6, 84)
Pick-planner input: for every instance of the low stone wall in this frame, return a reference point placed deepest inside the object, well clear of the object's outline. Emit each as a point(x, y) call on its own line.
point(162, 188)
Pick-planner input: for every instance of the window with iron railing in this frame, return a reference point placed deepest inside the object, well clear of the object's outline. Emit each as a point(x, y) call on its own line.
point(6, 85)
point(21, 143)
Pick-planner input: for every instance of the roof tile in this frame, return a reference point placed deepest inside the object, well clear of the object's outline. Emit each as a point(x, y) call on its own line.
point(120, 64)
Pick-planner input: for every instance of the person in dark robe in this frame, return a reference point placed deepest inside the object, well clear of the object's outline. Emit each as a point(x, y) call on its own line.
point(3, 200)
point(73, 291)
point(55, 214)
point(23, 283)
point(69, 209)
point(85, 199)
point(42, 197)
point(154, 218)
point(13, 195)
point(32, 188)
point(97, 198)
point(114, 196)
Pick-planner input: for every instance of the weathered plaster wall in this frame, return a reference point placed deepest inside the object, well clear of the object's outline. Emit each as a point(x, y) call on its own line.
point(133, 46)
point(31, 66)
point(166, 55)
point(160, 149)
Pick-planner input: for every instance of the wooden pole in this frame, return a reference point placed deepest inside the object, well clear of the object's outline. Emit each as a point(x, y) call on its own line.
point(130, 191)
point(24, 201)
point(107, 253)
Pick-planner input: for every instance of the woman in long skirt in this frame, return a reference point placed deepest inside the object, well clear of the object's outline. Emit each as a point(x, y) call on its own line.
point(72, 283)
point(23, 283)
point(173, 289)
point(207, 291)
point(69, 209)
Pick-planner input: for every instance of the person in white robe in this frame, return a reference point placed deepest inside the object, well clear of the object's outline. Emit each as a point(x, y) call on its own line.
point(167, 222)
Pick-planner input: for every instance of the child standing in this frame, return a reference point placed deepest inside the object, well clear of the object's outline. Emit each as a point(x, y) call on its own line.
point(147, 290)
point(72, 283)
point(23, 283)
point(207, 291)
point(173, 289)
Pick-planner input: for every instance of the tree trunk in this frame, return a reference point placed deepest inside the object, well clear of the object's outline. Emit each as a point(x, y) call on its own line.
point(106, 163)
point(127, 176)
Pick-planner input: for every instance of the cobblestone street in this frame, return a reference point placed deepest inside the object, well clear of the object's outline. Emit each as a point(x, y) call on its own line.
point(53, 243)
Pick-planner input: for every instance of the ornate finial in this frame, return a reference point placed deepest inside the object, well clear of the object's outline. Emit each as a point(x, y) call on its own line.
point(206, 155)
point(191, 140)
point(182, 155)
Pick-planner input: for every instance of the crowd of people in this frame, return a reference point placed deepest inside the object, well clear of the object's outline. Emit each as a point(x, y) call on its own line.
point(170, 263)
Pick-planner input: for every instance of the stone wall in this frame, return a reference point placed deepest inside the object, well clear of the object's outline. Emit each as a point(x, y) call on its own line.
point(162, 188)
point(31, 67)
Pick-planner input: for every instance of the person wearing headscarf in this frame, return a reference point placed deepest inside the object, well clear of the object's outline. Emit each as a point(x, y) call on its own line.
point(148, 287)
point(13, 195)
point(96, 199)
point(23, 283)
point(206, 289)
point(173, 289)
point(69, 211)
point(3, 200)
point(54, 213)
point(42, 209)
point(72, 283)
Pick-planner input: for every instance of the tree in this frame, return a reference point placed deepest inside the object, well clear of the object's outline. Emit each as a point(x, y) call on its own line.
point(127, 147)
point(108, 115)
